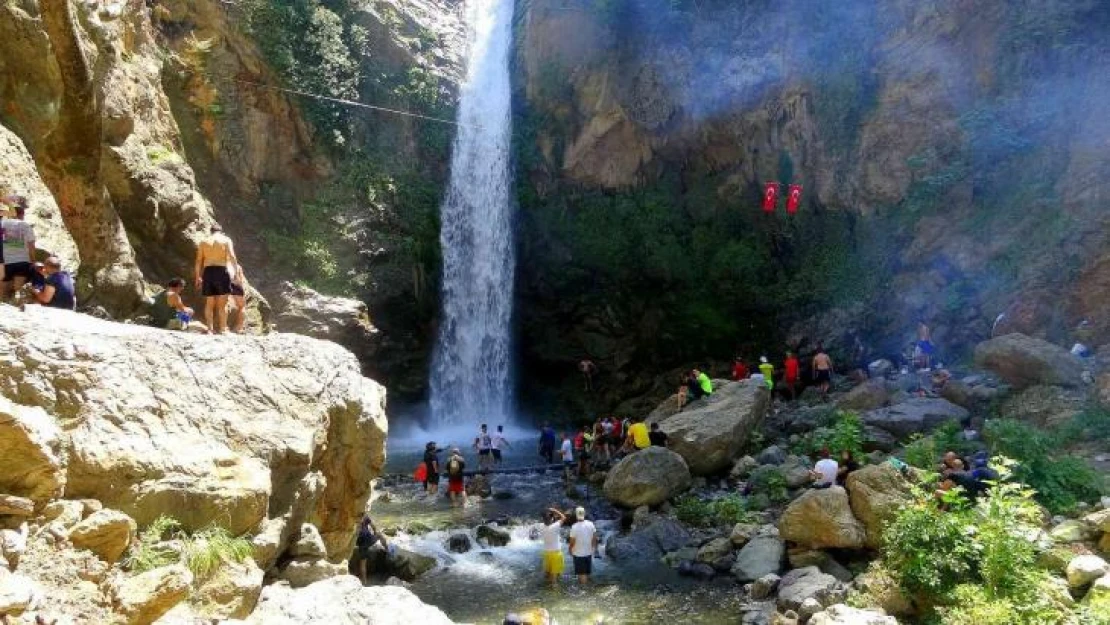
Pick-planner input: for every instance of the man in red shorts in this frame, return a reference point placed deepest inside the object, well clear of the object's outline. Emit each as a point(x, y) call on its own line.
point(455, 467)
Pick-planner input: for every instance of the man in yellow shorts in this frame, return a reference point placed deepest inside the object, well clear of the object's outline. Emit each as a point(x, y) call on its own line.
point(552, 545)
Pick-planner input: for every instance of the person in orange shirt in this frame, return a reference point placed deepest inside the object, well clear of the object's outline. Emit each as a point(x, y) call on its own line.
point(791, 374)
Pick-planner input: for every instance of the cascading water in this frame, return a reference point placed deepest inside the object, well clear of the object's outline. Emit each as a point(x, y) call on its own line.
point(470, 378)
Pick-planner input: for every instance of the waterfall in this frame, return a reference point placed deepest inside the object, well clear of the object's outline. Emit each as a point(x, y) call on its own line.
point(470, 379)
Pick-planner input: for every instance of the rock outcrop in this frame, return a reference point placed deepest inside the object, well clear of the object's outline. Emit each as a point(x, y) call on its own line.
point(918, 414)
point(711, 435)
point(761, 556)
point(301, 310)
point(822, 518)
point(226, 430)
point(1024, 361)
point(144, 598)
point(647, 478)
point(877, 493)
point(343, 599)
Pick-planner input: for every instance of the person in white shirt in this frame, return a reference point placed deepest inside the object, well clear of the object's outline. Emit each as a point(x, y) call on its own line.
point(498, 443)
point(552, 549)
point(484, 444)
point(566, 451)
point(583, 545)
point(19, 244)
point(824, 472)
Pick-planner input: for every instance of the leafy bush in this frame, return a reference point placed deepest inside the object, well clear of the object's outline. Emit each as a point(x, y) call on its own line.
point(929, 551)
point(163, 543)
point(846, 433)
point(1061, 481)
point(727, 510)
point(921, 452)
point(770, 482)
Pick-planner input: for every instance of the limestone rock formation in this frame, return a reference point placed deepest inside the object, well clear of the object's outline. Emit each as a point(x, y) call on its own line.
point(31, 452)
point(647, 478)
point(711, 436)
point(345, 321)
point(876, 493)
point(822, 518)
point(16, 592)
point(841, 614)
point(107, 533)
point(653, 537)
point(231, 593)
point(343, 599)
point(225, 430)
point(145, 597)
point(1024, 361)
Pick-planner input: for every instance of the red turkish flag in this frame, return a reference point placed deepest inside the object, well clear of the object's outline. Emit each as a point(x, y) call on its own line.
point(793, 198)
point(770, 196)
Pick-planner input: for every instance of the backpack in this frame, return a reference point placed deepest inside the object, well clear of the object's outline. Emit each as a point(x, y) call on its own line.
point(420, 474)
point(454, 467)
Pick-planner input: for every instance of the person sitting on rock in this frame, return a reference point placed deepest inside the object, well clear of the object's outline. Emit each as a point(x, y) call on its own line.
point(168, 310)
point(658, 437)
point(638, 437)
point(372, 546)
point(57, 290)
point(703, 383)
point(825, 471)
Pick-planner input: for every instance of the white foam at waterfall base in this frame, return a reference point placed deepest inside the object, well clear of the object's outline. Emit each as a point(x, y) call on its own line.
point(470, 375)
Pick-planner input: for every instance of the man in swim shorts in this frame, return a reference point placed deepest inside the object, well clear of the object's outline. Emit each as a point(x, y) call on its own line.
point(214, 256)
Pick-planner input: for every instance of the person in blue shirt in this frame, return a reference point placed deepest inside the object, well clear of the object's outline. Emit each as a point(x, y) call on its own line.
point(57, 290)
point(547, 443)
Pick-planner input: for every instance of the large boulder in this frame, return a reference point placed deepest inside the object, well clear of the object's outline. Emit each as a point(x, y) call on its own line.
point(343, 599)
point(232, 592)
point(107, 533)
point(711, 435)
point(302, 572)
point(761, 556)
point(876, 493)
point(808, 583)
point(17, 592)
point(821, 519)
point(31, 451)
point(647, 478)
point(1084, 569)
point(870, 395)
point(655, 536)
point(301, 310)
point(144, 598)
point(1024, 361)
point(918, 414)
point(409, 565)
point(210, 429)
point(1045, 406)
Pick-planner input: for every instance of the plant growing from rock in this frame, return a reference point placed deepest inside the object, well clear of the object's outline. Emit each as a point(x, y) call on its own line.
point(728, 510)
point(769, 482)
point(163, 543)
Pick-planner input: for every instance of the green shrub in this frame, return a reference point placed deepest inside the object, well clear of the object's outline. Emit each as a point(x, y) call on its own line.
point(202, 552)
point(921, 452)
point(928, 550)
point(148, 551)
point(846, 433)
point(770, 482)
point(211, 547)
point(1061, 481)
point(727, 510)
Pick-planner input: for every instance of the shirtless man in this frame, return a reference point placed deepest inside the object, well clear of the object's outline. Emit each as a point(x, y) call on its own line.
point(214, 255)
point(822, 370)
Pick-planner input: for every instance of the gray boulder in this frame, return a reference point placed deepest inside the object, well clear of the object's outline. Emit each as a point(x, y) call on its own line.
point(711, 436)
point(918, 414)
point(772, 455)
point(808, 583)
point(841, 614)
point(458, 542)
point(492, 536)
point(1024, 361)
point(870, 395)
point(409, 565)
point(761, 556)
point(658, 535)
point(647, 478)
point(765, 586)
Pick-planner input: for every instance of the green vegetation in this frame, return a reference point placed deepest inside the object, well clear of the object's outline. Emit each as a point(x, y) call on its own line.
point(728, 510)
point(973, 563)
point(163, 542)
point(845, 434)
point(1060, 479)
point(769, 486)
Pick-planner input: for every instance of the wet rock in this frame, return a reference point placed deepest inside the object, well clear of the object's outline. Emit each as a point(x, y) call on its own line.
point(710, 437)
point(697, 570)
point(877, 493)
point(659, 535)
point(822, 518)
point(742, 533)
point(107, 533)
point(918, 414)
point(676, 558)
point(761, 556)
point(409, 565)
point(458, 542)
point(1083, 570)
point(144, 598)
point(647, 478)
point(479, 486)
point(1024, 361)
point(765, 586)
point(808, 583)
point(771, 455)
point(841, 614)
point(492, 536)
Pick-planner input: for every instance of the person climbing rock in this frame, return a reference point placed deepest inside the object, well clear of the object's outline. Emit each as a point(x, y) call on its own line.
point(583, 545)
point(455, 486)
point(767, 370)
point(372, 547)
point(638, 437)
point(822, 370)
point(790, 374)
point(552, 545)
point(214, 257)
point(588, 370)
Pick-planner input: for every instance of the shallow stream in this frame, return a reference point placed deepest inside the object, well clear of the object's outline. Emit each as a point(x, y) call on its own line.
point(484, 584)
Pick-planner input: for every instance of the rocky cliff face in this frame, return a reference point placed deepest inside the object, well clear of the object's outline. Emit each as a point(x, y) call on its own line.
point(954, 169)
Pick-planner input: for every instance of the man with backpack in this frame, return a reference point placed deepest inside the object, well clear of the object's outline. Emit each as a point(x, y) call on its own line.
point(455, 467)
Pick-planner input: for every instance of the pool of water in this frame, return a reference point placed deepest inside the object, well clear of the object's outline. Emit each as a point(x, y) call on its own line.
point(484, 584)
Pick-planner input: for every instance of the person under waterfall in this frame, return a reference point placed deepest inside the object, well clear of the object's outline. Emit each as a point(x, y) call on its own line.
point(498, 443)
point(484, 444)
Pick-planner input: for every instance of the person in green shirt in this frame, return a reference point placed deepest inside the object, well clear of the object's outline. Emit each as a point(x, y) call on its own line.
point(768, 371)
point(168, 311)
point(704, 382)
